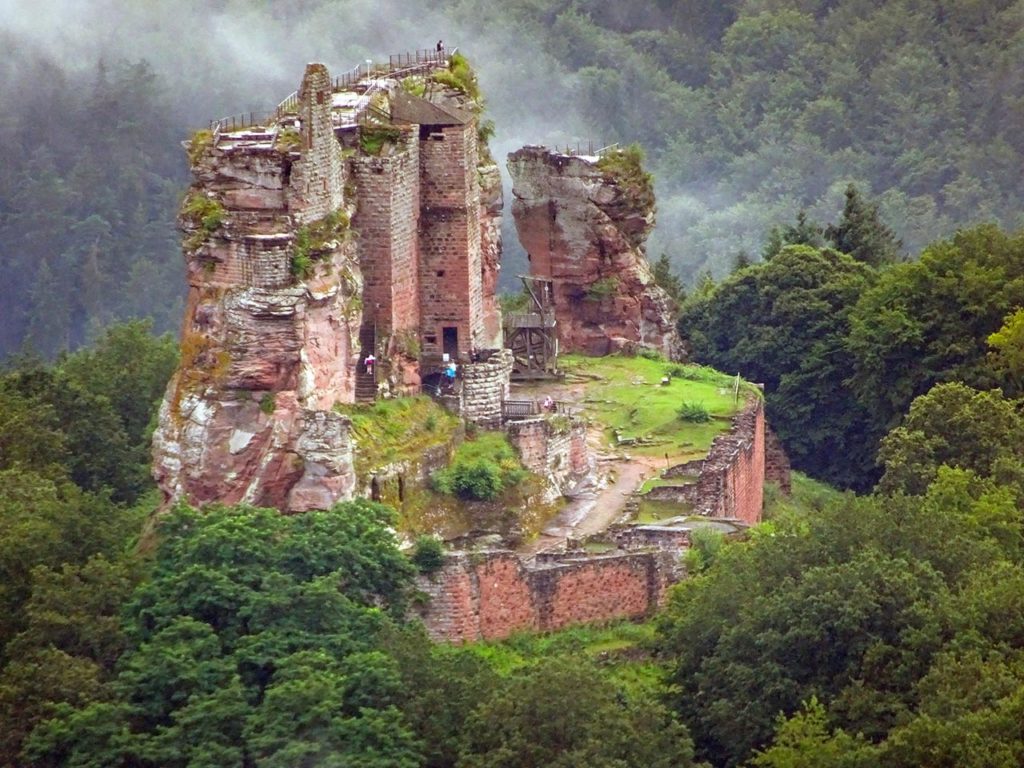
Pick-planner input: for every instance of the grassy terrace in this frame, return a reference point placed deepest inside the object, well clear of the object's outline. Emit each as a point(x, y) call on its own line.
point(626, 395)
point(397, 430)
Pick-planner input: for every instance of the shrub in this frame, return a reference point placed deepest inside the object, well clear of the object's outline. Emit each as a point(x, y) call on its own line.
point(649, 353)
point(427, 554)
point(314, 240)
point(481, 469)
point(694, 412)
point(373, 137)
point(268, 403)
point(602, 289)
point(706, 543)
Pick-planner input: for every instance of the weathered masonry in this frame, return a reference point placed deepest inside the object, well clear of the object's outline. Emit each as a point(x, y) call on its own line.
point(356, 220)
point(491, 594)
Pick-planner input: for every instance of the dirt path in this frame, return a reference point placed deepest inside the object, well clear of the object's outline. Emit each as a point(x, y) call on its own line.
point(599, 503)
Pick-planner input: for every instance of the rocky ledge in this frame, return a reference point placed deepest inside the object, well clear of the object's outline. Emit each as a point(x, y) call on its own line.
point(584, 221)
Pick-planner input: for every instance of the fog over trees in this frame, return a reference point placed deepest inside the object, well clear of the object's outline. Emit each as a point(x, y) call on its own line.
point(749, 112)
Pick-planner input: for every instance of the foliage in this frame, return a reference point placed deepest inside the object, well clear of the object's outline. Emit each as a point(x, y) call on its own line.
point(397, 430)
point(1006, 355)
point(373, 137)
point(427, 554)
point(956, 426)
point(861, 232)
point(460, 77)
point(562, 712)
point(803, 232)
point(198, 145)
point(694, 412)
point(313, 241)
point(204, 212)
point(481, 469)
point(625, 167)
point(602, 288)
point(667, 279)
point(784, 323)
point(253, 634)
point(288, 140)
point(929, 321)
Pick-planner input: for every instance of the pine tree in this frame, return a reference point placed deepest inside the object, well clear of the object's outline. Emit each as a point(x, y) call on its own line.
point(861, 232)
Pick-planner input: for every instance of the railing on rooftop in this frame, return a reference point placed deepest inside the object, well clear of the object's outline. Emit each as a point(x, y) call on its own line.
point(579, 148)
point(404, 64)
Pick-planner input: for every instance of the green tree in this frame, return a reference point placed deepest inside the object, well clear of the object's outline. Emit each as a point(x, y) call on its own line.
point(861, 232)
point(562, 713)
point(929, 321)
point(784, 323)
point(951, 425)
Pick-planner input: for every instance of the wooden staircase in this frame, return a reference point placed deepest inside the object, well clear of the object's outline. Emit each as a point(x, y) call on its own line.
point(366, 383)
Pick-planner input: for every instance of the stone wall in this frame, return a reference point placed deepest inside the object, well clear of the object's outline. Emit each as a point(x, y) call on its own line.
point(485, 386)
point(486, 596)
point(317, 179)
point(776, 462)
point(387, 219)
point(731, 483)
point(450, 261)
point(554, 447)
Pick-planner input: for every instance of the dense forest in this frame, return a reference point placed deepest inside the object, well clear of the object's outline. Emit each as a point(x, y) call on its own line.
point(847, 170)
point(750, 110)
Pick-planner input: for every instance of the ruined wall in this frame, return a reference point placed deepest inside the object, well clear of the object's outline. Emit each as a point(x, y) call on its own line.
point(449, 239)
point(486, 596)
point(585, 231)
point(387, 219)
point(554, 447)
point(731, 483)
point(485, 386)
point(491, 203)
point(317, 185)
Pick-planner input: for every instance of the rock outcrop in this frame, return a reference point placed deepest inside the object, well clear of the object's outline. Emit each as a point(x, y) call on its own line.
point(272, 319)
point(583, 221)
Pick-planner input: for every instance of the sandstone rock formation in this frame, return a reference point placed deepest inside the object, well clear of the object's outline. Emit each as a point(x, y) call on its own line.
point(357, 219)
point(271, 321)
point(583, 221)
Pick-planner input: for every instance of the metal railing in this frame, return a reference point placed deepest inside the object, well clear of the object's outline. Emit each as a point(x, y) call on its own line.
point(525, 409)
point(400, 64)
point(579, 147)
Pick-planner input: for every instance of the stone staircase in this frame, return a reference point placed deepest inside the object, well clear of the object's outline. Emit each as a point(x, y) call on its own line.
point(366, 383)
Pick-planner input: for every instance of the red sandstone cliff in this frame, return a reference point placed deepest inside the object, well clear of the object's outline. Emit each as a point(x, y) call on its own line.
point(583, 223)
point(272, 316)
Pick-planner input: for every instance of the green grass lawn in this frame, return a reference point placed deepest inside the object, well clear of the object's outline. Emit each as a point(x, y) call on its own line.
point(656, 511)
point(626, 395)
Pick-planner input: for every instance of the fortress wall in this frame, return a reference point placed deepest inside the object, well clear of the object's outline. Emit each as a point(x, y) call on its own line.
point(490, 595)
point(387, 219)
point(731, 482)
point(317, 180)
point(450, 260)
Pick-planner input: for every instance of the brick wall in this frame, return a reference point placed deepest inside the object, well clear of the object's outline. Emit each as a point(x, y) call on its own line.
point(449, 239)
point(557, 453)
point(485, 596)
point(731, 482)
point(484, 388)
point(317, 182)
point(387, 219)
